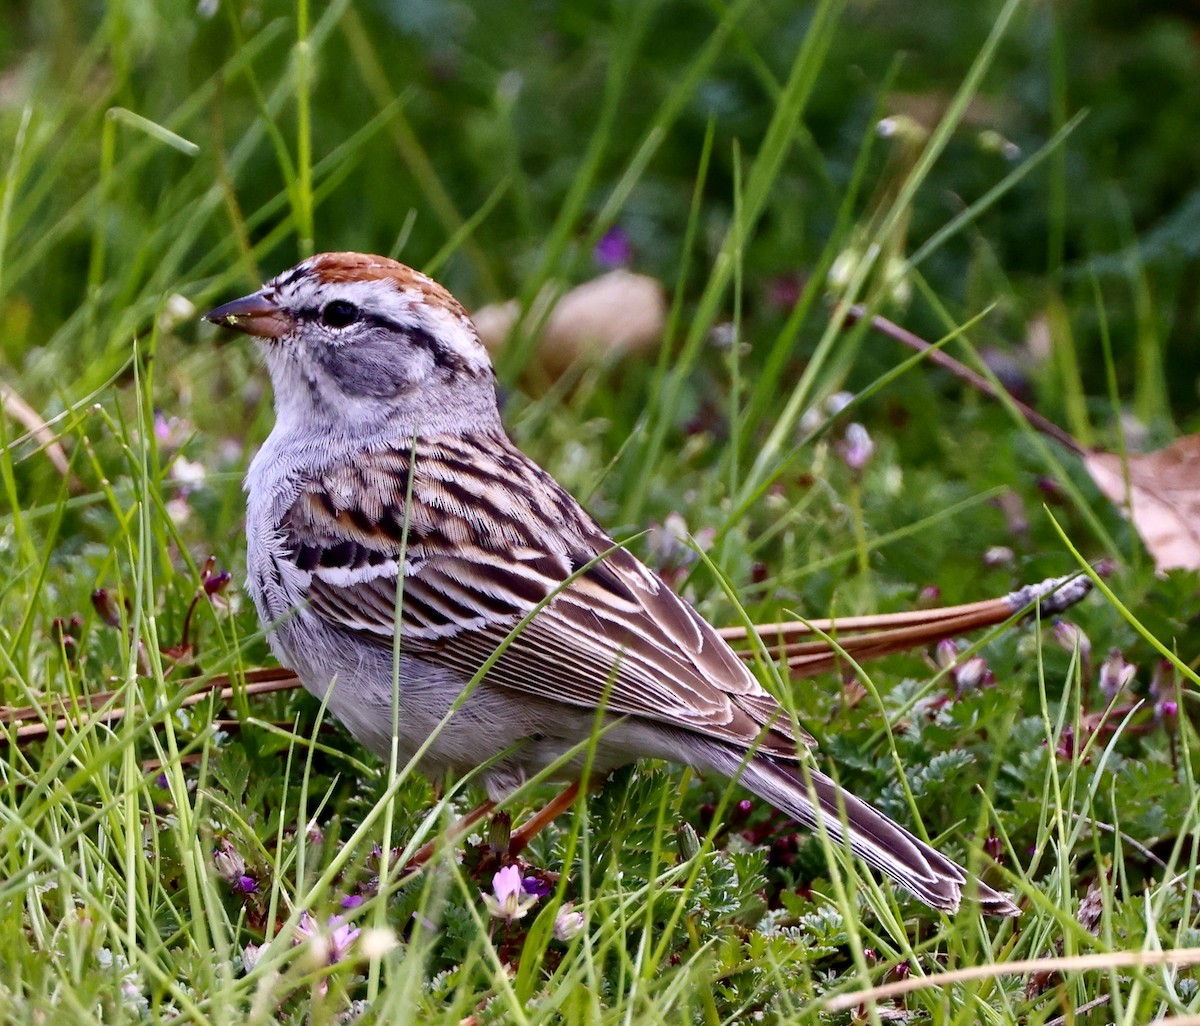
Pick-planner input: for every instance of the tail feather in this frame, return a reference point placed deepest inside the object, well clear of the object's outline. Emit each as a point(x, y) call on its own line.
point(879, 842)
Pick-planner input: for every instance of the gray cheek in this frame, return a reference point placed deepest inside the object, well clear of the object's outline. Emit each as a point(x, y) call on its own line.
point(370, 366)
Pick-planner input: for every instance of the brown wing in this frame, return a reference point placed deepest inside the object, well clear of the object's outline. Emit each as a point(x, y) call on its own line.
point(489, 535)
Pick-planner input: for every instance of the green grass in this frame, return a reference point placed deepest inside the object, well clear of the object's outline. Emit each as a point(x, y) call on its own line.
point(157, 161)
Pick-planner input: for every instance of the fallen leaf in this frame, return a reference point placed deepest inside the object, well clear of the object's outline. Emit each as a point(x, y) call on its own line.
point(1163, 498)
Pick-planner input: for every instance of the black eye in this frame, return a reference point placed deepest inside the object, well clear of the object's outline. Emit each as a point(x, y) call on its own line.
point(339, 313)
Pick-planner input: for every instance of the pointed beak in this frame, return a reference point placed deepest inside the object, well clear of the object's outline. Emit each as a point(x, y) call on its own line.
point(258, 314)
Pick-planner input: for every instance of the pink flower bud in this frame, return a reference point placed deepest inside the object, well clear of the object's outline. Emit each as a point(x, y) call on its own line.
point(946, 653)
point(1115, 674)
point(568, 923)
point(229, 861)
point(971, 674)
point(107, 607)
point(856, 447)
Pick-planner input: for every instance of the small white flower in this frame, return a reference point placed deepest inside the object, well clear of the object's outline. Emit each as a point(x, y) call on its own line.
point(842, 269)
point(901, 127)
point(813, 418)
point(669, 543)
point(179, 510)
point(187, 472)
point(826, 409)
point(723, 336)
point(999, 555)
point(376, 941)
point(838, 401)
point(899, 285)
point(992, 141)
point(131, 992)
point(508, 87)
point(176, 311)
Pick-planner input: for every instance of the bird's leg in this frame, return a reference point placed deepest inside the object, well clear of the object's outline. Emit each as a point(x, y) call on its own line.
point(520, 838)
point(543, 818)
point(456, 830)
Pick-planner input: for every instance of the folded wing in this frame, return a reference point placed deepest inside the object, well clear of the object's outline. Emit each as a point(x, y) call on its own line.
point(468, 537)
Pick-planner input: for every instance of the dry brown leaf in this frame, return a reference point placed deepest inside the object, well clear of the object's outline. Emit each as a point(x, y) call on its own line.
point(1164, 493)
point(615, 314)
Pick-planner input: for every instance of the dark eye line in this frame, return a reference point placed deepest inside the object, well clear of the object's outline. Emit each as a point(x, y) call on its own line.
point(421, 337)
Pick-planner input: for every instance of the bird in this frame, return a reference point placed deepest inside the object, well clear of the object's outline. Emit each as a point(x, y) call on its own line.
point(443, 592)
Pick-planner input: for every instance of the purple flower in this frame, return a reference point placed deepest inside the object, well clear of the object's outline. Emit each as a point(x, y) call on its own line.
point(245, 884)
point(1067, 748)
point(171, 432)
point(342, 936)
point(536, 886)
point(331, 943)
point(739, 813)
point(614, 249)
point(508, 899)
point(306, 928)
point(425, 922)
point(352, 901)
point(214, 584)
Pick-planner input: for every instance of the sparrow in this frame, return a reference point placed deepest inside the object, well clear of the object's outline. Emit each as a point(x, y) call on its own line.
point(399, 543)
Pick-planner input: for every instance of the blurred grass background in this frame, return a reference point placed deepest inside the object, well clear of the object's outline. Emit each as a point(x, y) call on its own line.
point(161, 157)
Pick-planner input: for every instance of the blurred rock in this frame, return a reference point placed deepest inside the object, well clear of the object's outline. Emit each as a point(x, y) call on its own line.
point(617, 314)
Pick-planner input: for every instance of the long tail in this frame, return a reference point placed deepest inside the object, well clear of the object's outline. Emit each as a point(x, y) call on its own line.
point(882, 844)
